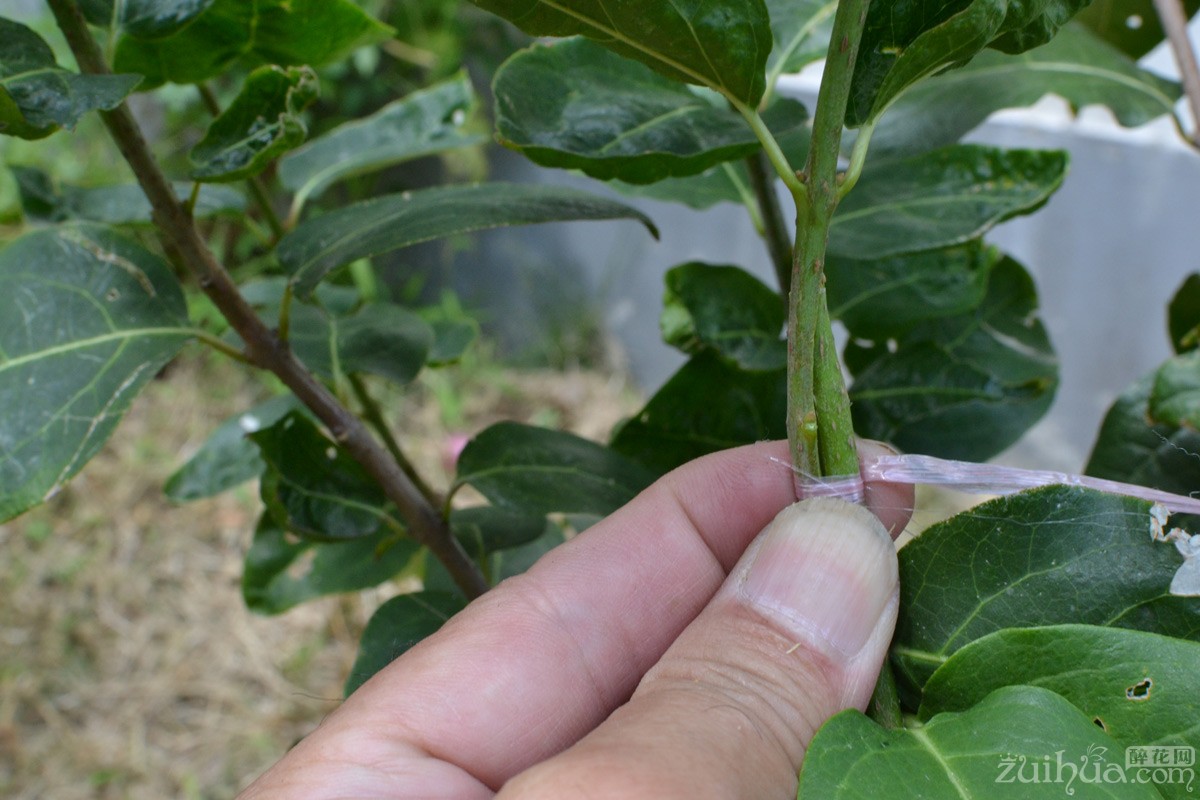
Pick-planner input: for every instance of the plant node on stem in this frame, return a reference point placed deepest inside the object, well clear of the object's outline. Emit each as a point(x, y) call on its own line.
point(263, 347)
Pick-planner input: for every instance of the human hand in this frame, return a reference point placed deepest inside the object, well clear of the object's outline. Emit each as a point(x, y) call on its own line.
point(665, 652)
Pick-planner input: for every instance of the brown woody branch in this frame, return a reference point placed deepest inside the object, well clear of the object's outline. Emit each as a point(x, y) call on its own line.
point(1174, 22)
point(264, 347)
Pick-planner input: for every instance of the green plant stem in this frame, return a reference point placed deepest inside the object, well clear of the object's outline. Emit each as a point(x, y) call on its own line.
point(373, 414)
point(263, 346)
point(774, 231)
point(221, 346)
point(258, 192)
point(770, 145)
point(819, 426)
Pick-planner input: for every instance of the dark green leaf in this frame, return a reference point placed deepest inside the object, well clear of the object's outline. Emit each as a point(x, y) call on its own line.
point(313, 32)
point(1135, 448)
point(724, 183)
point(517, 560)
point(486, 529)
point(725, 309)
point(262, 123)
point(1131, 25)
point(395, 627)
point(321, 245)
point(961, 387)
point(720, 45)
point(801, 29)
point(87, 318)
point(541, 471)
point(227, 458)
point(157, 19)
point(942, 198)
point(1000, 748)
point(315, 489)
point(887, 297)
point(1183, 315)
point(1051, 556)
point(37, 97)
point(116, 205)
point(1175, 396)
point(577, 105)
point(1140, 687)
point(905, 42)
point(451, 339)
point(213, 41)
point(423, 123)
point(1075, 66)
point(708, 405)
point(281, 572)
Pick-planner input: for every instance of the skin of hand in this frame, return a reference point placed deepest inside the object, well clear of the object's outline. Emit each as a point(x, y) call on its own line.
point(669, 651)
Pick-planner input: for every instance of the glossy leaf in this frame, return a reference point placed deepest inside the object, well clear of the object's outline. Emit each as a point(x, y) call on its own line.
point(1074, 65)
point(577, 105)
point(1139, 687)
point(321, 245)
point(425, 122)
point(315, 489)
point(960, 387)
point(144, 19)
point(725, 309)
point(1183, 315)
point(281, 572)
point(125, 204)
point(904, 43)
point(720, 45)
point(1135, 448)
point(395, 627)
point(1051, 556)
point(37, 97)
point(995, 750)
point(313, 32)
point(708, 405)
point(213, 41)
point(87, 318)
point(801, 29)
point(889, 296)
point(261, 124)
point(1132, 26)
point(537, 470)
point(942, 198)
point(227, 458)
point(1175, 396)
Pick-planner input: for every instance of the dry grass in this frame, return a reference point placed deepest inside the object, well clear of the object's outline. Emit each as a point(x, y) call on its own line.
point(129, 667)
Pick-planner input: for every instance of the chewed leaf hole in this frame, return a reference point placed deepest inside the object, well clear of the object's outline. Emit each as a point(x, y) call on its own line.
point(1139, 691)
point(1100, 724)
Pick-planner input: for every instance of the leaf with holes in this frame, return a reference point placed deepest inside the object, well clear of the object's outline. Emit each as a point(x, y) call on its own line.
point(1074, 65)
point(425, 122)
point(1047, 557)
point(541, 471)
point(37, 97)
point(281, 572)
point(87, 318)
point(1138, 687)
point(321, 245)
point(723, 45)
point(1133, 26)
point(262, 123)
point(577, 105)
point(980, 752)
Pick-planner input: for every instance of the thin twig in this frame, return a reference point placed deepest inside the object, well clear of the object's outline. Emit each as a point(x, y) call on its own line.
point(373, 414)
point(263, 346)
point(774, 230)
point(1174, 22)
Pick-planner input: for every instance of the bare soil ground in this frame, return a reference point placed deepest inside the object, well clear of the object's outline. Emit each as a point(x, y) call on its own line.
point(129, 666)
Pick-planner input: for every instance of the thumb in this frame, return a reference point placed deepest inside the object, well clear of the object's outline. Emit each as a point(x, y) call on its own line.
point(796, 633)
